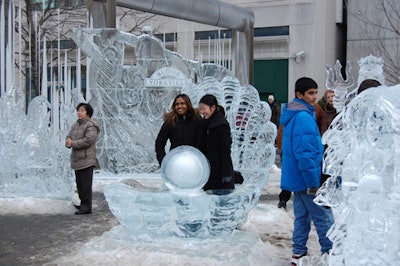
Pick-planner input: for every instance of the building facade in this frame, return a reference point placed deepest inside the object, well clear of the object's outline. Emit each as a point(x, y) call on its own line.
point(291, 39)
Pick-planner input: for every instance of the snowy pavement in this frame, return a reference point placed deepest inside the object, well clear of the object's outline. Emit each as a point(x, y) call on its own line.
point(43, 232)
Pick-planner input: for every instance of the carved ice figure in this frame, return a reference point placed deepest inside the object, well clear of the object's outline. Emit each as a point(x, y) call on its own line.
point(330, 194)
point(364, 150)
point(33, 162)
point(371, 67)
point(168, 211)
point(338, 84)
point(133, 81)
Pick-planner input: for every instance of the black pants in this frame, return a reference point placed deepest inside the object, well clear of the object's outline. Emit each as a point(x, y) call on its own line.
point(84, 180)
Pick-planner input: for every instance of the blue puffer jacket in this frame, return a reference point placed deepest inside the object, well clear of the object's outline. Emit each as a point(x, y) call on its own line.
point(302, 148)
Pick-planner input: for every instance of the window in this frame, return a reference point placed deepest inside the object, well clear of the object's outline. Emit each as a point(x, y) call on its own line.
point(271, 31)
point(212, 34)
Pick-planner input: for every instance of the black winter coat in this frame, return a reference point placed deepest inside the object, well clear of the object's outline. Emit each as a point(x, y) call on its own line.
point(185, 132)
point(275, 113)
point(215, 143)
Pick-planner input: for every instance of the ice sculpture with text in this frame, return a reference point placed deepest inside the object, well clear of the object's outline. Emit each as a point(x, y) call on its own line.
point(134, 81)
point(168, 212)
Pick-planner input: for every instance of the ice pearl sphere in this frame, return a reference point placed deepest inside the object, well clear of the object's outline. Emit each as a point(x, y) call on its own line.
point(185, 169)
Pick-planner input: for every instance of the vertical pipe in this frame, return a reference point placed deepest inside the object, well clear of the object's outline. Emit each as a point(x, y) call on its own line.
point(209, 49)
point(65, 74)
point(11, 44)
point(44, 66)
point(2, 52)
point(78, 73)
point(10, 48)
point(58, 49)
point(20, 44)
point(242, 42)
point(111, 13)
point(229, 54)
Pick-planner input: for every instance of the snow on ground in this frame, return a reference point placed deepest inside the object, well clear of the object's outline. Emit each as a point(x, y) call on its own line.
point(264, 239)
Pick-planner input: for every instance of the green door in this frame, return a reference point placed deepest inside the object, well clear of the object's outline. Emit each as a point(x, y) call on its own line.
point(271, 77)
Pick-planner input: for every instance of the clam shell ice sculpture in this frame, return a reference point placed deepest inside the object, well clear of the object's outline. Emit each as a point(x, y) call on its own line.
point(182, 209)
point(130, 93)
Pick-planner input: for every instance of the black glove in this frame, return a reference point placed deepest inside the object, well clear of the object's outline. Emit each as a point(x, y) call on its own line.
point(237, 177)
point(312, 191)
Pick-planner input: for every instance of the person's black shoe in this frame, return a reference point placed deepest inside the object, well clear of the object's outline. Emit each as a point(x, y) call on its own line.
point(82, 212)
point(282, 204)
point(78, 207)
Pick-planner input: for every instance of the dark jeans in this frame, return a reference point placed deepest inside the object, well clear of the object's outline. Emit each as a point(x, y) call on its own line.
point(84, 180)
point(305, 211)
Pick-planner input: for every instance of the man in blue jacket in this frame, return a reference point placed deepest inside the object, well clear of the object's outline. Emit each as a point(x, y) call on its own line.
point(302, 152)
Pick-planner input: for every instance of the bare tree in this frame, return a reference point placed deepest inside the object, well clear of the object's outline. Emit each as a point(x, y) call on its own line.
point(136, 19)
point(380, 24)
point(54, 21)
point(51, 20)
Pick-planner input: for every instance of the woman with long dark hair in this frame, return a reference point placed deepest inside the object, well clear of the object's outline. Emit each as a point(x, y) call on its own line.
point(180, 127)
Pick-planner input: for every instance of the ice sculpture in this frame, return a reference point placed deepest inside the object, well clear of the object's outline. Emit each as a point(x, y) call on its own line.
point(166, 213)
point(371, 67)
point(34, 162)
point(336, 83)
point(133, 81)
point(330, 194)
point(364, 150)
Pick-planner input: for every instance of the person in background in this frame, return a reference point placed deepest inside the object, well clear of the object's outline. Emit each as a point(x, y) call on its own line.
point(325, 121)
point(328, 114)
point(275, 110)
point(180, 127)
point(366, 84)
point(215, 143)
point(302, 152)
point(82, 140)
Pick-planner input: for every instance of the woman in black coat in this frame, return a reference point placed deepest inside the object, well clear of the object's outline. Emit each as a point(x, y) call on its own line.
point(181, 126)
point(215, 143)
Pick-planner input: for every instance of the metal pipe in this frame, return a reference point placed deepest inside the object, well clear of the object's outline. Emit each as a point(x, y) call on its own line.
point(111, 13)
point(210, 12)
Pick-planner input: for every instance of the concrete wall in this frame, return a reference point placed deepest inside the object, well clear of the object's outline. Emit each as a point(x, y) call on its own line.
point(369, 33)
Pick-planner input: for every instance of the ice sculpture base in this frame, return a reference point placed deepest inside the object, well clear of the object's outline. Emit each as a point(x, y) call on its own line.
point(159, 213)
point(118, 246)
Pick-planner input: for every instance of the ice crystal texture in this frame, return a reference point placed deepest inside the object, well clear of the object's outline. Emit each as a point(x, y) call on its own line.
point(34, 161)
point(363, 160)
point(133, 82)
